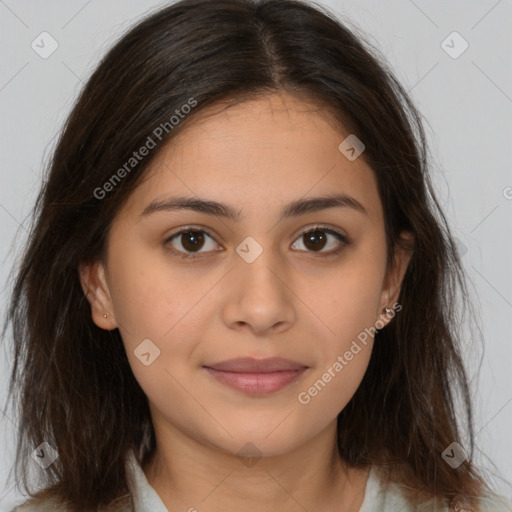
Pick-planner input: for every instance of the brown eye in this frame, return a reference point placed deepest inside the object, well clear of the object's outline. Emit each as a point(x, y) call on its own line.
point(316, 239)
point(191, 241)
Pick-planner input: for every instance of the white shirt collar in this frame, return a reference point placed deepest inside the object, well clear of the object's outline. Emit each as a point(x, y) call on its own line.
point(146, 499)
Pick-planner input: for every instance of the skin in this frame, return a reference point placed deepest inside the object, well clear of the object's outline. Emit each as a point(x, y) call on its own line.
point(257, 157)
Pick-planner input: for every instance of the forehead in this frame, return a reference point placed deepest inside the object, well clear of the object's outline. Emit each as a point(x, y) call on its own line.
point(262, 152)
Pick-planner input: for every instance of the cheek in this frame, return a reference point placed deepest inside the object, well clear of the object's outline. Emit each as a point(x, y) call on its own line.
point(348, 305)
point(137, 302)
point(328, 391)
point(347, 300)
point(161, 312)
point(150, 293)
point(342, 360)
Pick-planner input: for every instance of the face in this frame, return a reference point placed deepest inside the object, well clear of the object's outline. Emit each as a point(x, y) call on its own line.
point(190, 288)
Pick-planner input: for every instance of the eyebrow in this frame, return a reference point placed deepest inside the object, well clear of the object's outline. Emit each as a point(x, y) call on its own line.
point(293, 209)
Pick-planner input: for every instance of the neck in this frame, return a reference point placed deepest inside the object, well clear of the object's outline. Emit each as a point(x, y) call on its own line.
point(190, 475)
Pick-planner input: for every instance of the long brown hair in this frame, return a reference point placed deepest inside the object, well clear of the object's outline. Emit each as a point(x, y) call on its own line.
point(71, 380)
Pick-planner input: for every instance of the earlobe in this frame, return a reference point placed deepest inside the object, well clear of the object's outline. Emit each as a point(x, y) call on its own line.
point(96, 290)
point(395, 275)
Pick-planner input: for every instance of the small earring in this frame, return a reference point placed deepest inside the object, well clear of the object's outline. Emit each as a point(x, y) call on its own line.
point(388, 311)
point(105, 315)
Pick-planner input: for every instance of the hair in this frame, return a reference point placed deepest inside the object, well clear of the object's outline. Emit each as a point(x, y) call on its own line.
point(71, 380)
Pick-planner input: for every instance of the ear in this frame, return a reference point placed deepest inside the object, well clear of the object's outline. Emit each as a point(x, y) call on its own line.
point(394, 276)
point(95, 287)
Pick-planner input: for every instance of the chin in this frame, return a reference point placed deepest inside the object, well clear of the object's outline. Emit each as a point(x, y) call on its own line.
point(257, 444)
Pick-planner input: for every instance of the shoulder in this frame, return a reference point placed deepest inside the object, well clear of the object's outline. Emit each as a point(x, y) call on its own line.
point(50, 500)
point(388, 496)
point(383, 495)
point(39, 505)
point(121, 504)
point(495, 503)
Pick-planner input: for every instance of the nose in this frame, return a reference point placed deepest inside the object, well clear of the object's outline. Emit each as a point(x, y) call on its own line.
point(260, 297)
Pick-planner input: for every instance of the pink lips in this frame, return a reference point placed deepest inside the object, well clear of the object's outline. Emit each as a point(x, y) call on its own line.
point(256, 376)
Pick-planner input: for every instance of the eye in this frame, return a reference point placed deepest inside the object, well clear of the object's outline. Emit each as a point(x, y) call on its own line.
point(190, 240)
point(316, 239)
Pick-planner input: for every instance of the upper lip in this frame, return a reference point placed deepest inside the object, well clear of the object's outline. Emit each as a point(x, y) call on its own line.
point(251, 365)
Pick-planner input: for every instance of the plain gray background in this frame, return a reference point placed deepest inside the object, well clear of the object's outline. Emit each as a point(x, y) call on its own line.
point(466, 99)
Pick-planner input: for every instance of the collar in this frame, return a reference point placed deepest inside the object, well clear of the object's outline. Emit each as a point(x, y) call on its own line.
point(146, 499)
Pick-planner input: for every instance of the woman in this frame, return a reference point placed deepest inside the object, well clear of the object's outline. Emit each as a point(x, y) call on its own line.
point(239, 289)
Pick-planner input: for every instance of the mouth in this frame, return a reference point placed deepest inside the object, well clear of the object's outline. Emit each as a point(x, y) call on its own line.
point(256, 377)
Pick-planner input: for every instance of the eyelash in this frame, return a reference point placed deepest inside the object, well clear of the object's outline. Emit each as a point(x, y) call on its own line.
point(334, 252)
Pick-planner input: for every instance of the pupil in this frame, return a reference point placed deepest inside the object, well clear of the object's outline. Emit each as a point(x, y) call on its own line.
point(195, 238)
point(315, 237)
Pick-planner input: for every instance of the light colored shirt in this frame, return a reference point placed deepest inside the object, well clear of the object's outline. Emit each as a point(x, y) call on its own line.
point(378, 497)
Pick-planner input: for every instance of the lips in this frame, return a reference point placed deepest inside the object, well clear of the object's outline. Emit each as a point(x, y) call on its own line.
point(250, 365)
point(256, 377)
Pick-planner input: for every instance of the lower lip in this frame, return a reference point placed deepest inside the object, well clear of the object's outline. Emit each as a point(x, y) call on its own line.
point(256, 383)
